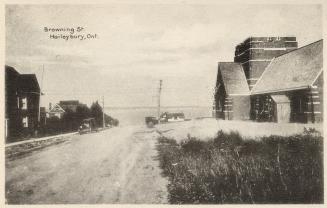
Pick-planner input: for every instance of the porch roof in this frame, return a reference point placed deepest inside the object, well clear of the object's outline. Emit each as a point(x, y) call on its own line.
point(280, 98)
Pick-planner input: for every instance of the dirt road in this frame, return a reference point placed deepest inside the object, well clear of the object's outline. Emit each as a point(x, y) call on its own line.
point(114, 166)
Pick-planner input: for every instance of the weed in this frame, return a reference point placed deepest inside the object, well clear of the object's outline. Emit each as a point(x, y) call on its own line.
point(229, 169)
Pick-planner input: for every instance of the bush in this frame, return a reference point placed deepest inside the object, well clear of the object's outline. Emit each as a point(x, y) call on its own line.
point(229, 169)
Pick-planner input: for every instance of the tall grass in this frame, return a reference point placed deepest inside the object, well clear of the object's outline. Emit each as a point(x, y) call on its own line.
point(229, 169)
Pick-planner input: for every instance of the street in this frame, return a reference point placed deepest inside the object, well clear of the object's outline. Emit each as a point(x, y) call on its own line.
point(113, 166)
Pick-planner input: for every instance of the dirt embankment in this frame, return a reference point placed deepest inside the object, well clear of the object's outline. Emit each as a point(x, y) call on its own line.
point(21, 148)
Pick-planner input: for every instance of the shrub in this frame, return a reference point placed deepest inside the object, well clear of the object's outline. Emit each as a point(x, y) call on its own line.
point(229, 169)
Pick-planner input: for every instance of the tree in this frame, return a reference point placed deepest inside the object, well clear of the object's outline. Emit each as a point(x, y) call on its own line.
point(53, 126)
point(96, 113)
point(82, 112)
point(69, 120)
point(111, 121)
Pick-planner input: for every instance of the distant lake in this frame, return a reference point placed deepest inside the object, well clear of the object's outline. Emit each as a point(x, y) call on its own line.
point(136, 115)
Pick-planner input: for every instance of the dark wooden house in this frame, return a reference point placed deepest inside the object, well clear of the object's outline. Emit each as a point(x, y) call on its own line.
point(22, 94)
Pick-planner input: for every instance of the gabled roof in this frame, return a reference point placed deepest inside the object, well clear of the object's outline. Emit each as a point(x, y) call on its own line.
point(26, 83)
point(11, 70)
point(56, 109)
point(297, 69)
point(233, 77)
point(29, 83)
point(69, 102)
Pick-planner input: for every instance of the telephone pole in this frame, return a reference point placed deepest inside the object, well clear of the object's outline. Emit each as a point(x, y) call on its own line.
point(159, 94)
point(103, 120)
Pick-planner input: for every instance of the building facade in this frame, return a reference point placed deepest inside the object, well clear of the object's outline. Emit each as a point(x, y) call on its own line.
point(285, 83)
point(22, 94)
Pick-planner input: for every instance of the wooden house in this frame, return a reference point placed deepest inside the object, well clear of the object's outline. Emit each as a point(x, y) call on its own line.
point(56, 111)
point(22, 99)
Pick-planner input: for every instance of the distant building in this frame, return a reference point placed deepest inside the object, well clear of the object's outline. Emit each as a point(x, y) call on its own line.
point(69, 105)
point(22, 93)
point(59, 109)
point(272, 80)
point(56, 111)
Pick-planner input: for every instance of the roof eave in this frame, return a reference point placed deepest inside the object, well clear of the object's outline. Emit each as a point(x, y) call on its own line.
point(241, 94)
point(281, 90)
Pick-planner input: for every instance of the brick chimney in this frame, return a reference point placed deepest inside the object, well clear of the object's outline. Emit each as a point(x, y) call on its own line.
point(255, 54)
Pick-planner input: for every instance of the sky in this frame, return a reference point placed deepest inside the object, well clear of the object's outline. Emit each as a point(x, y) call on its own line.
point(139, 44)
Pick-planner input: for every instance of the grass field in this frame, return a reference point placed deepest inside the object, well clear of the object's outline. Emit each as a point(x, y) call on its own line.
point(228, 169)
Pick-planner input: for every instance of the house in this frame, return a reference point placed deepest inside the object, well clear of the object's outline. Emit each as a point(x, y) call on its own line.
point(22, 94)
point(62, 107)
point(69, 105)
point(285, 83)
point(56, 111)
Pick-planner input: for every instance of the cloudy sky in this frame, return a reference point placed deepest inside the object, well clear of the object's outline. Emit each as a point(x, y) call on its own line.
point(137, 45)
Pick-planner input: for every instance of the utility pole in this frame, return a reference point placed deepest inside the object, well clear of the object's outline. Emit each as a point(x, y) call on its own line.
point(103, 120)
point(159, 94)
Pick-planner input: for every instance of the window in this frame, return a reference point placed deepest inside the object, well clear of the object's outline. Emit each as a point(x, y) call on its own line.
point(25, 121)
point(24, 103)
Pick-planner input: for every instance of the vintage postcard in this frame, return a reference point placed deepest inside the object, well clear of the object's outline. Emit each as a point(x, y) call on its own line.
point(163, 103)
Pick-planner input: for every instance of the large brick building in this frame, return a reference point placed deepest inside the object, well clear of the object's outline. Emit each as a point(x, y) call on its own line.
point(22, 94)
point(284, 83)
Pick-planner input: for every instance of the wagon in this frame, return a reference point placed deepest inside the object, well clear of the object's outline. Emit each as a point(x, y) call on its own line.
point(87, 126)
point(150, 121)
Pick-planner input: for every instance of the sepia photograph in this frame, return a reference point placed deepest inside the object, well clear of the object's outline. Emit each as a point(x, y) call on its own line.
point(163, 103)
